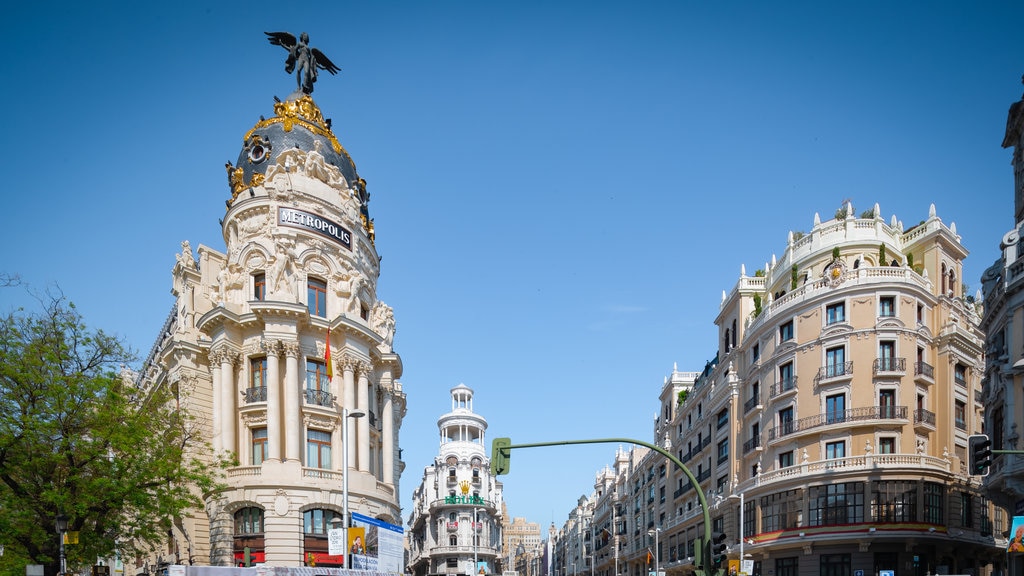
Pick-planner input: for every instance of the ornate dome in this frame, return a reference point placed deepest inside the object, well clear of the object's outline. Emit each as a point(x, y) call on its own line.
point(297, 123)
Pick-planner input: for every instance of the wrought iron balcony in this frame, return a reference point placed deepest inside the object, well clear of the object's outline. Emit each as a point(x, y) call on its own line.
point(924, 369)
point(257, 394)
point(749, 445)
point(783, 385)
point(922, 416)
point(890, 365)
point(837, 370)
point(838, 417)
point(750, 403)
point(319, 397)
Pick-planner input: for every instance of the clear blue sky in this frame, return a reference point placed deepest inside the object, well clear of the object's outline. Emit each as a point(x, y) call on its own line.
point(562, 190)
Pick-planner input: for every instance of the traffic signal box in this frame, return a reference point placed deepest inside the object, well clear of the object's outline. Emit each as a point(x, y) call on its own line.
point(979, 449)
point(718, 548)
point(501, 456)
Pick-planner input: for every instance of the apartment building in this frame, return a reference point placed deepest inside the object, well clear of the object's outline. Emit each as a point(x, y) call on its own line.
point(829, 432)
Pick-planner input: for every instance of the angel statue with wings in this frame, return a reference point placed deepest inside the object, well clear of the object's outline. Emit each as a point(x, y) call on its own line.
point(302, 59)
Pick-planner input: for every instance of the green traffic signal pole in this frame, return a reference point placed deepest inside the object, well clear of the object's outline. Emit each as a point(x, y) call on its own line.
point(707, 568)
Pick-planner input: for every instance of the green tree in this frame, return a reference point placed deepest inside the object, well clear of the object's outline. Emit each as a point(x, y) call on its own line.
point(79, 437)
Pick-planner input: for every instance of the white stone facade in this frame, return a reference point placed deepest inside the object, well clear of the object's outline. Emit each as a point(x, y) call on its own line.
point(456, 518)
point(246, 347)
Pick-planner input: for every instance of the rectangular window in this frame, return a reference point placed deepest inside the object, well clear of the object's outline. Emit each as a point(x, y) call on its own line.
point(258, 373)
point(835, 313)
point(259, 287)
point(894, 501)
point(835, 408)
point(723, 417)
point(887, 306)
point(723, 450)
point(787, 566)
point(887, 445)
point(834, 450)
point(960, 415)
point(786, 459)
point(887, 403)
point(835, 565)
point(934, 494)
point(755, 353)
point(318, 449)
point(786, 331)
point(960, 374)
point(786, 421)
point(259, 446)
point(779, 511)
point(836, 504)
point(835, 362)
point(318, 386)
point(966, 510)
point(920, 313)
point(316, 297)
point(786, 380)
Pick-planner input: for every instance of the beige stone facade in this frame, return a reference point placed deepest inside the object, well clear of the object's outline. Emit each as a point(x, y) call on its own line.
point(246, 348)
point(846, 382)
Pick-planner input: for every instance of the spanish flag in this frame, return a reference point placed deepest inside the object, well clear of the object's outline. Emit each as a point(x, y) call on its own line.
point(327, 356)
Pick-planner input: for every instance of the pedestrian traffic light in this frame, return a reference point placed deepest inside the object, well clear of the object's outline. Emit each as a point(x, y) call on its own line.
point(980, 454)
point(718, 548)
point(501, 456)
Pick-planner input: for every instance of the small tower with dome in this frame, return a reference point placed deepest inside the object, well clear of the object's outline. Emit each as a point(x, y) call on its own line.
point(455, 523)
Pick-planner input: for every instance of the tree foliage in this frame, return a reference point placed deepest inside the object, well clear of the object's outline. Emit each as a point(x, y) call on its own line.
point(79, 437)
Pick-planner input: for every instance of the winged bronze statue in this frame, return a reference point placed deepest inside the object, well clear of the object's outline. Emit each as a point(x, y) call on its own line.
point(302, 59)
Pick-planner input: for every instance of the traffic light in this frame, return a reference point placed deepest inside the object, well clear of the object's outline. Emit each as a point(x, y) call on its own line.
point(980, 454)
point(501, 456)
point(718, 548)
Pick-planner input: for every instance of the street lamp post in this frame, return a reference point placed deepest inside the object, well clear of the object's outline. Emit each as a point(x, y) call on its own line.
point(345, 415)
point(655, 532)
point(61, 524)
point(742, 538)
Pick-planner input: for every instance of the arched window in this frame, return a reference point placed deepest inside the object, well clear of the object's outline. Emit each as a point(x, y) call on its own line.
point(249, 521)
point(733, 343)
point(943, 272)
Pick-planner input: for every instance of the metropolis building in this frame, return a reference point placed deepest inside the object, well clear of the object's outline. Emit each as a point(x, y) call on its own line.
point(455, 526)
point(273, 341)
point(829, 433)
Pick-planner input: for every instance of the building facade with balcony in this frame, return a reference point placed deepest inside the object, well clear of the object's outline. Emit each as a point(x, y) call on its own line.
point(1003, 323)
point(273, 340)
point(846, 381)
point(455, 526)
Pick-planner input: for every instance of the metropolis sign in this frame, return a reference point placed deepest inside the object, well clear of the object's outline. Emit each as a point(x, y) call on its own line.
point(313, 223)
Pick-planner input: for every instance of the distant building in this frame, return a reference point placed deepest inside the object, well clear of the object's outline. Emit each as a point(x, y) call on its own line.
point(523, 545)
point(269, 343)
point(455, 526)
point(1003, 323)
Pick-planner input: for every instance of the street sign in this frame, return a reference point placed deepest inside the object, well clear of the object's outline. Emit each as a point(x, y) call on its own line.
point(336, 541)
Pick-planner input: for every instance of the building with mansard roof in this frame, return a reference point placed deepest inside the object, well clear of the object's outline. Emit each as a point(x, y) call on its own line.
point(273, 339)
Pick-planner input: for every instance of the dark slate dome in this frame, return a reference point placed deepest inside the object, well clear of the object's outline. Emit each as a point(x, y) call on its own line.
point(297, 123)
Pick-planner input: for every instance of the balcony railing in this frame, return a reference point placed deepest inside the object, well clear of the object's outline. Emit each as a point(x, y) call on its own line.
point(783, 385)
point(890, 364)
point(257, 394)
point(924, 369)
point(749, 445)
point(922, 416)
point(750, 403)
point(838, 417)
point(837, 370)
point(319, 397)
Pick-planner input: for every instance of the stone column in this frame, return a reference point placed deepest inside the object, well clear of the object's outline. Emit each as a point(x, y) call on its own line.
point(228, 412)
point(363, 424)
point(388, 438)
point(292, 403)
point(273, 349)
point(217, 400)
point(349, 367)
